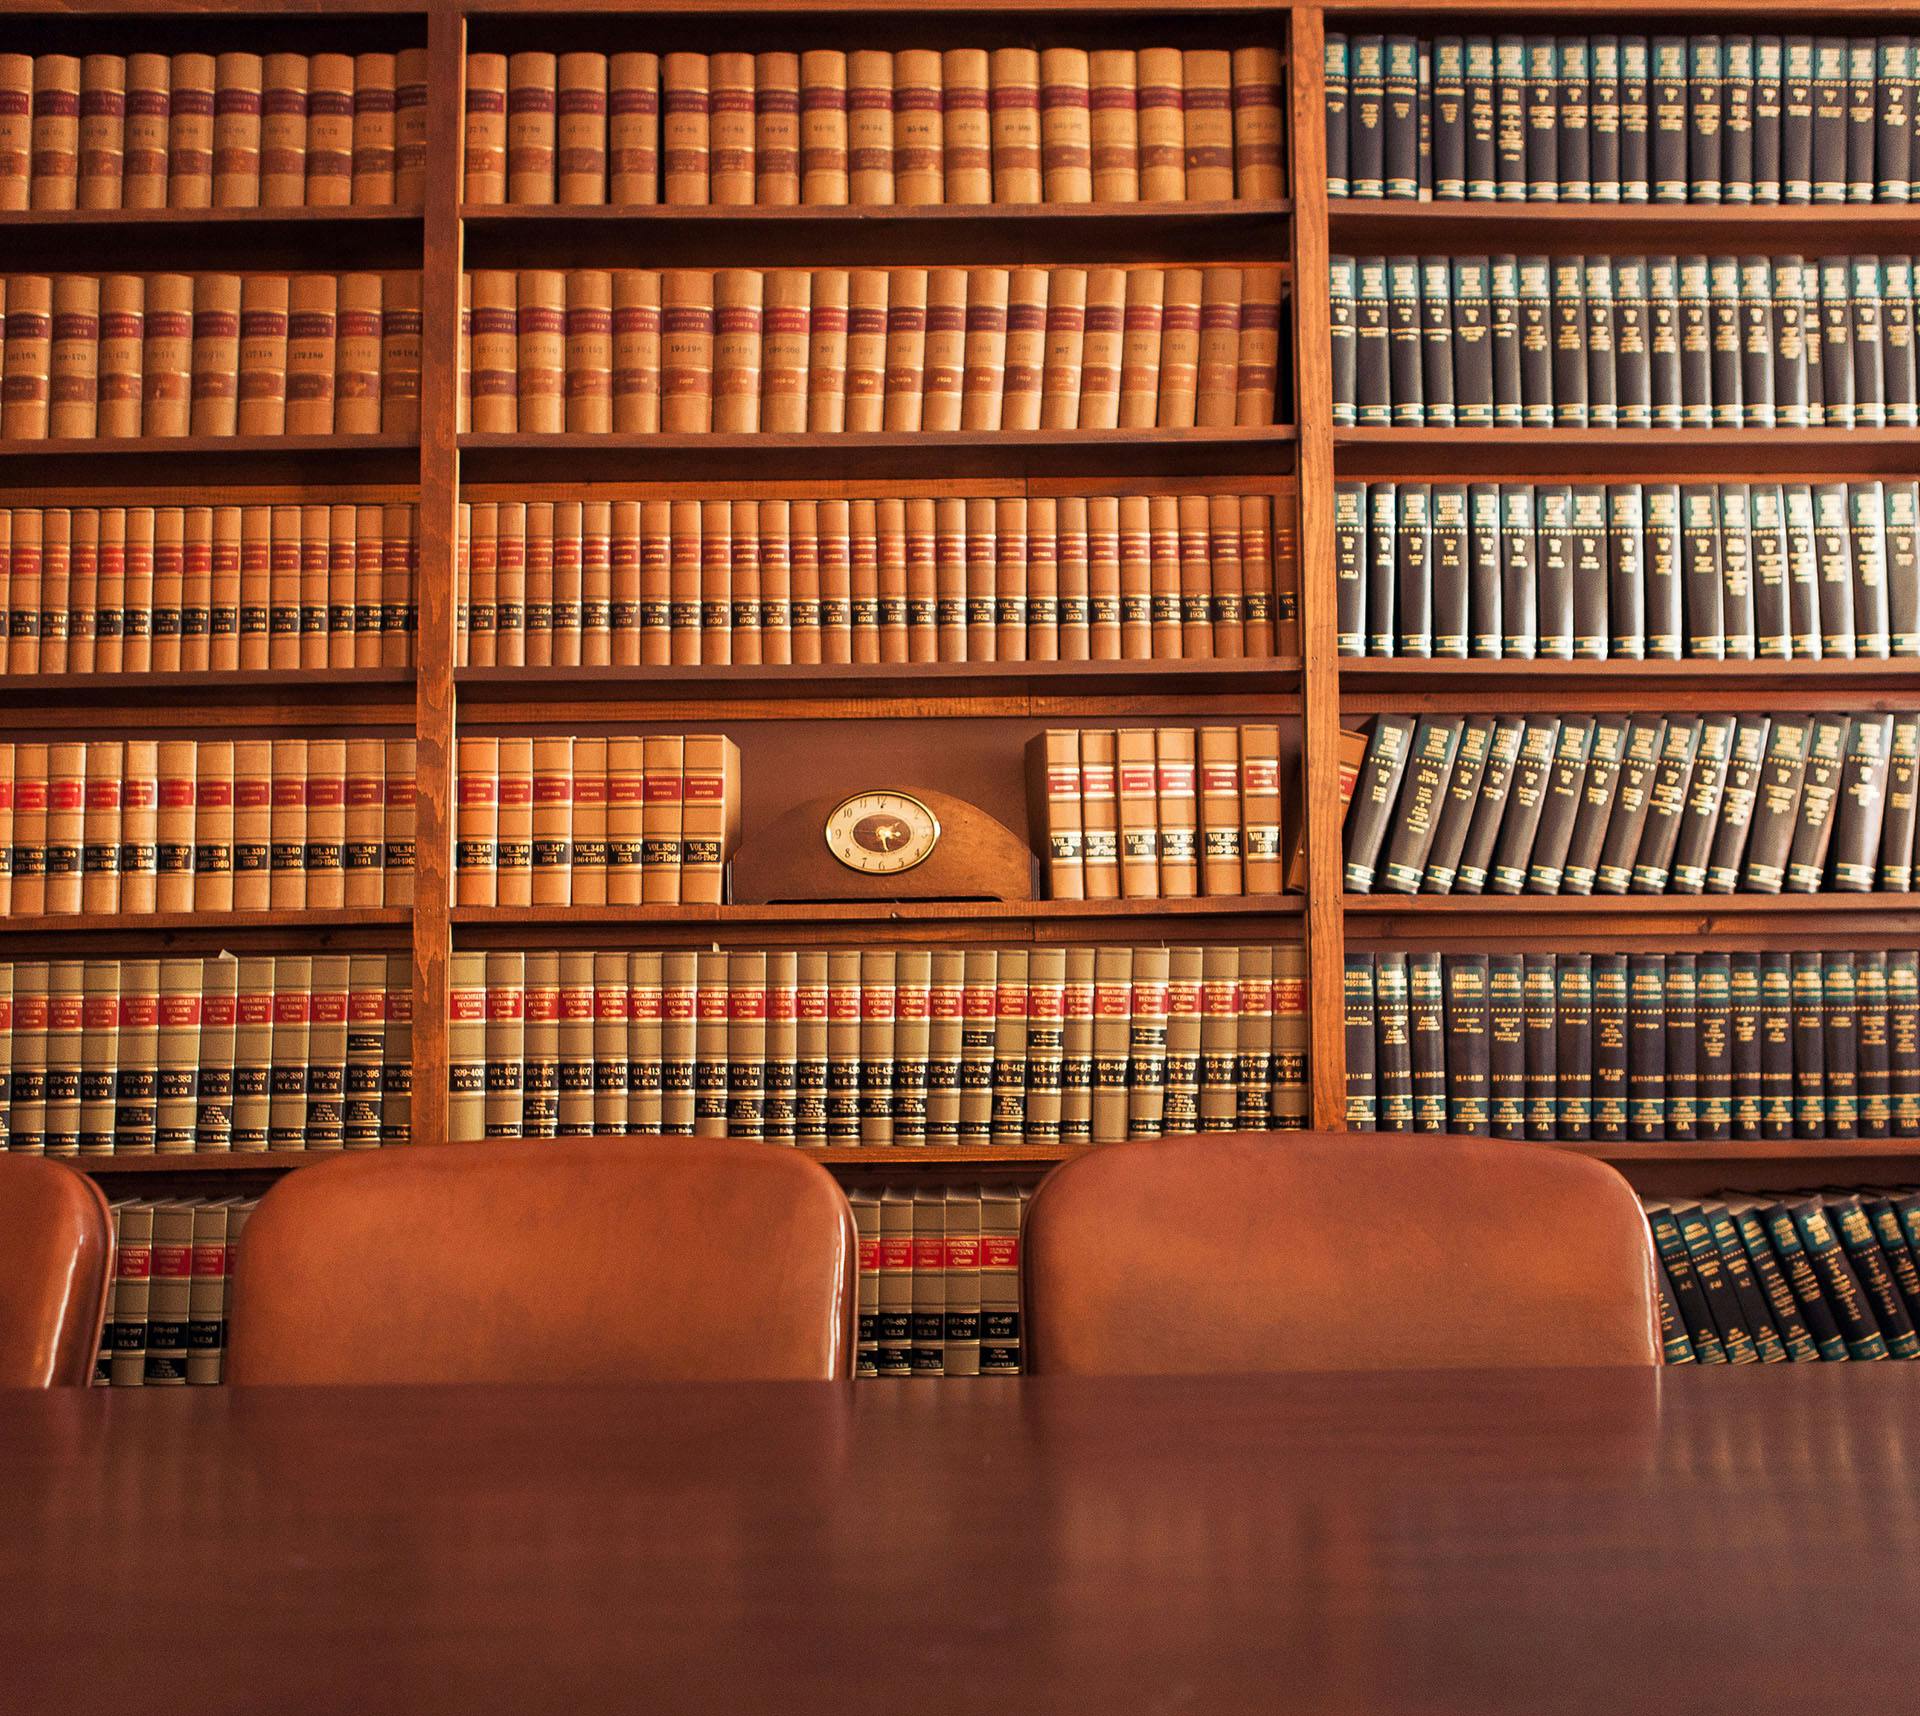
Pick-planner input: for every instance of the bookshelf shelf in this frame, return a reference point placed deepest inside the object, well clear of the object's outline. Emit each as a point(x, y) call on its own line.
point(1655, 454)
point(1373, 685)
point(333, 697)
point(191, 460)
point(1399, 226)
point(195, 931)
point(66, 239)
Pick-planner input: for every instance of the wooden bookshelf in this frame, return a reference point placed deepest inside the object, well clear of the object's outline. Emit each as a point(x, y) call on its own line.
point(1655, 454)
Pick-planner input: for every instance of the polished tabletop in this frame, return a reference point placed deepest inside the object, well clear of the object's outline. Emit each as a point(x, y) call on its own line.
point(1537, 1541)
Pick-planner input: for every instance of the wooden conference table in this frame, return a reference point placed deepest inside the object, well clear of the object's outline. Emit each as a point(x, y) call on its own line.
point(1470, 1542)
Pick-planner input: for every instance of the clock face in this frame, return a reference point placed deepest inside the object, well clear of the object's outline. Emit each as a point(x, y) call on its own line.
point(881, 833)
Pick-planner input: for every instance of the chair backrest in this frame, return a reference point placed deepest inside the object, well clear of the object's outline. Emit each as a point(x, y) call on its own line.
point(567, 1260)
point(56, 1240)
point(1323, 1252)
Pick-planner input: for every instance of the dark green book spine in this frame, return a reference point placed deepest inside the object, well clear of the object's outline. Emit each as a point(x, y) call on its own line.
point(1777, 804)
point(1405, 342)
point(1696, 344)
point(1392, 1045)
point(1400, 123)
point(1675, 1348)
point(1436, 342)
point(1646, 1049)
point(1836, 391)
point(1689, 1300)
point(1833, 558)
point(1703, 119)
point(1668, 100)
point(1736, 120)
point(1373, 395)
point(1546, 861)
point(1484, 828)
point(1853, 1310)
point(1796, 120)
point(1767, 1344)
point(1776, 1046)
point(1597, 789)
point(1418, 806)
point(1713, 977)
point(1526, 797)
point(1604, 119)
point(1427, 1024)
point(1862, 53)
point(1700, 809)
point(1893, 120)
point(1665, 799)
point(1537, 354)
point(1366, 158)
point(1351, 568)
point(1830, 119)
point(1867, 536)
point(1449, 119)
point(1553, 558)
point(1772, 633)
point(1823, 1322)
point(1573, 142)
point(1663, 341)
point(1756, 342)
point(1383, 566)
point(1342, 335)
point(1481, 168)
point(1736, 572)
point(1589, 572)
point(1483, 571)
point(1520, 637)
point(1543, 120)
point(1903, 1041)
point(1362, 1110)
point(1862, 807)
point(1875, 1068)
point(1661, 555)
point(1791, 378)
point(1632, 349)
point(1869, 345)
point(1507, 1057)
point(1842, 1050)
point(1640, 758)
point(1782, 1306)
point(1700, 572)
point(1819, 796)
point(1448, 559)
point(1897, 335)
point(1503, 288)
point(1510, 118)
point(1683, 1047)
point(1413, 571)
point(1568, 371)
point(1809, 1047)
point(1470, 336)
point(1768, 65)
point(1893, 1246)
point(1457, 805)
point(1743, 1035)
point(1573, 1049)
point(1724, 322)
point(1747, 756)
point(1540, 1027)
point(1723, 1304)
point(1465, 976)
point(1374, 795)
point(1610, 1048)
point(1334, 77)
point(1635, 119)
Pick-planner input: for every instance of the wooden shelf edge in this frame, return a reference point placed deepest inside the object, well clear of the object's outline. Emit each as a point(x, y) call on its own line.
point(1417, 673)
point(116, 221)
point(1789, 1150)
point(1625, 905)
point(266, 682)
point(1654, 454)
point(203, 925)
point(1401, 224)
point(479, 216)
point(879, 441)
point(885, 912)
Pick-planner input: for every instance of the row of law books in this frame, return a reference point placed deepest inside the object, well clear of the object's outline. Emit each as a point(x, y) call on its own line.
point(1788, 1278)
point(235, 130)
point(1628, 571)
point(172, 1285)
point(1075, 578)
point(943, 1046)
point(100, 826)
point(1150, 813)
point(872, 128)
point(598, 821)
point(131, 357)
point(831, 350)
point(1635, 804)
point(1629, 342)
point(1621, 118)
point(1647, 1047)
point(186, 1056)
point(939, 1281)
point(186, 589)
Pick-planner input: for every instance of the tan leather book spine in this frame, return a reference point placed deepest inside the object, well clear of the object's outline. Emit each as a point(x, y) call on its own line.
point(66, 1026)
point(218, 980)
point(384, 601)
point(167, 357)
point(1163, 527)
point(863, 580)
point(837, 1120)
point(946, 993)
point(28, 358)
point(589, 825)
point(983, 607)
point(921, 572)
point(1259, 172)
point(362, 848)
point(710, 816)
point(213, 826)
point(56, 131)
point(1114, 124)
point(1010, 580)
point(287, 838)
point(511, 579)
point(1218, 367)
point(731, 130)
point(738, 310)
point(580, 130)
point(284, 568)
point(785, 329)
point(1103, 349)
point(1099, 813)
point(1045, 1045)
point(636, 351)
point(174, 825)
point(356, 380)
point(684, 128)
point(400, 355)
point(123, 319)
point(1015, 108)
point(169, 587)
point(1220, 814)
point(656, 606)
point(683, 582)
point(878, 1030)
point(979, 1022)
point(596, 584)
point(1076, 1047)
point(1289, 1066)
point(539, 584)
point(330, 80)
point(610, 1069)
point(1140, 348)
point(687, 351)
point(403, 798)
point(1261, 828)
point(410, 127)
point(1103, 576)
point(110, 625)
point(912, 1042)
point(891, 568)
point(16, 131)
point(776, 130)
point(1063, 348)
point(238, 116)
point(710, 1045)
point(1207, 104)
point(506, 1043)
point(945, 350)
point(466, 1047)
point(1196, 577)
point(263, 349)
point(803, 559)
point(73, 391)
point(56, 588)
point(589, 351)
point(24, 585)
point(481, 520)
point(624, 583)
point(1135, 784)
point(476, 849)
point(99, 1055)
point(1112, 1027)
point(906, 348)
point(1257, 363)
point(866, 374)
point(375, 105)
point(1226, 577)
point(744, 633)
point(552, 823)
point(541, 351)
point(1163, 127)
point(1066, 125)
point(311, 301)
point(223, 605)
point(99, 880)
point(1180, 349)
point(919, 155)
point(340, 560)
point(132, 822)
point(325, 855)
point(662, 810)
point(1219, 1039)
point(870, 124)
point(1136, 578)
point(950, 576)
point(396, 1076)
point(1071, 575)
point(327, 1031)
point(626, 813)
point(1147, 1045)
point(83, 598)
point(1260, 595)
point(1053, 789)
point(134, 1122)
point(984, 382)
point(633, 129)
point(823, 126)
point(644, 1022)
point(316, 572)
point(149, 107)
point(196, 590)
point(1026, 342)
point(776, 583)
point(190, 132)
point(252, 824)
point(532, 78)
point(485, 136)
point(30, 792)
point(1174, 769)
point(514, 841)
point(290, 1056)
point(967, 125)
point(827, 352)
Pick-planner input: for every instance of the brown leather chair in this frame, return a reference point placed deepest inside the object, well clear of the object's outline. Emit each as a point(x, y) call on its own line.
point(56, 1237)
point(1248, 1252)
point(569, 1260)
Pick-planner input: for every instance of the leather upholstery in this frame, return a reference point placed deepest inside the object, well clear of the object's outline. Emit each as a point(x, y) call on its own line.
point(56, 1266)
point(567, 1260)
point(1312, 1251)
